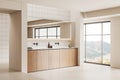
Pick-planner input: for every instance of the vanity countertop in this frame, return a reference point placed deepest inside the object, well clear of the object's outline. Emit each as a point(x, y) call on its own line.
point(50, 48)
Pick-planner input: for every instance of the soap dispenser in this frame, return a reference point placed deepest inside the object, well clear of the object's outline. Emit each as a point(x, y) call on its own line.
point(48, 45)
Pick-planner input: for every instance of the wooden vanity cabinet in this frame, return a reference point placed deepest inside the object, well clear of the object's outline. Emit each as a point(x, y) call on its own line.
point(50, 59)
point(64, 57)
point(68, 57)
point(73, 57)
point(53, 59)
point(32, 63)
point(42, 59)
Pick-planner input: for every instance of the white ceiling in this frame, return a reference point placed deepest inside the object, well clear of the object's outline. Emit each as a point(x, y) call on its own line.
point(81, 5)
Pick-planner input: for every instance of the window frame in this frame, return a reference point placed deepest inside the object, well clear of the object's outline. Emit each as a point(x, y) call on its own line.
point(47, 35)
point(102, 35)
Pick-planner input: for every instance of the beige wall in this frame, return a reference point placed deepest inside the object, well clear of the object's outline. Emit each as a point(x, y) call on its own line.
point(4, 40)
point(65, 30)
point(104, 12)
point(15, 42)
point(77, 32)
point(36, 12)
point(24, 36)
point(10, 4)
point(30, 32)
point(115, 42)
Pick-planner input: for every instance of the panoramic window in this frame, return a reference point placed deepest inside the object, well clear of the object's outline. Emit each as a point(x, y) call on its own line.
point(47, 33)
point(97, 42)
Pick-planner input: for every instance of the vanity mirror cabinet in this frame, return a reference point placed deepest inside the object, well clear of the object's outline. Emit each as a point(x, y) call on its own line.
point(50, 31)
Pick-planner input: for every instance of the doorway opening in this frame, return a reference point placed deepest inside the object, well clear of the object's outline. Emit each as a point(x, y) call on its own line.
point(4, 42)
point(10, 41)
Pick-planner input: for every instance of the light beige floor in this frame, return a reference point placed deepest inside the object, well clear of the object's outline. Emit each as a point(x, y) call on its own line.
point(85, 72)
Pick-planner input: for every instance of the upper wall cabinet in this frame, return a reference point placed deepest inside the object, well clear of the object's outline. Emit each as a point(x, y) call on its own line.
point(37, 12)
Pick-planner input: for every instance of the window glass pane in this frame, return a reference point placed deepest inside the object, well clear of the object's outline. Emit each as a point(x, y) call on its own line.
point(106, 49)
point(51, 31)
point(93, 49)
point(106, 28)
point(97, 45)
point(93, 28)
point(36, 32)
point(43, 32)
point(58, 31)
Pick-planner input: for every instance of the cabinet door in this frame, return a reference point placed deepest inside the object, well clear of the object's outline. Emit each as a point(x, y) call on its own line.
point(68, 57)
point(42, 60)
point(32, 55)
point(73, 57)
point(53, 58)
point(64, 58)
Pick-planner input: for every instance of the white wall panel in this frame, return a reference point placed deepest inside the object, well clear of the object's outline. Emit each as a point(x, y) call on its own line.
point(4, 38)
point(41, 12)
